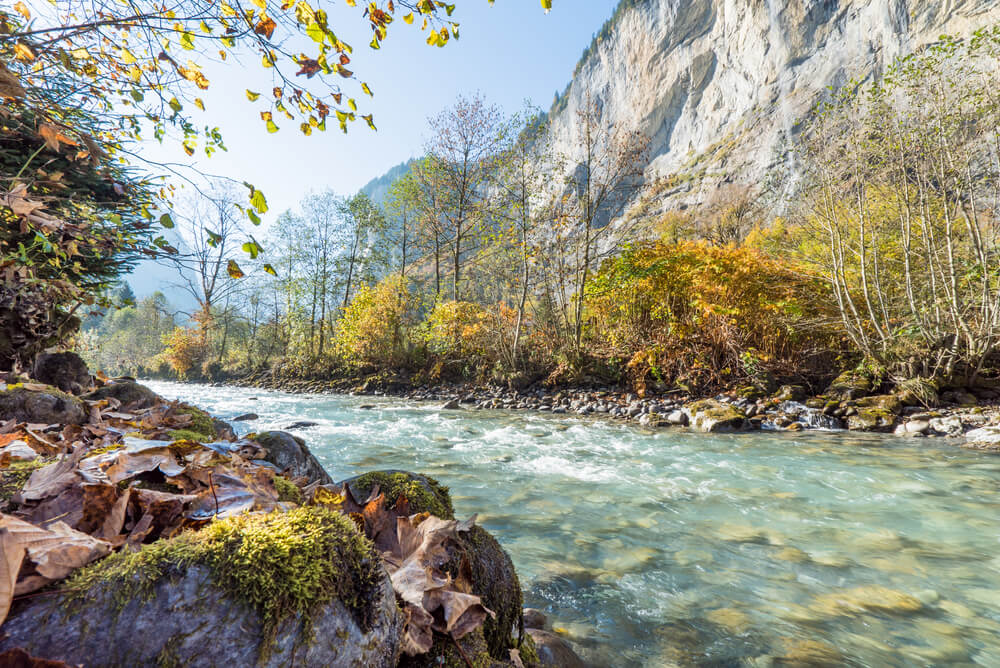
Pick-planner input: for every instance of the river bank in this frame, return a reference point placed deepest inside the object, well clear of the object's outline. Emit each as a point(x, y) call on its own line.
point(967, 418)
point(158, 526)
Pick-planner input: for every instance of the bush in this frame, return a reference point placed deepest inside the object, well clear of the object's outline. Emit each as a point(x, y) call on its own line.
point(373, 329)
point(696, 315)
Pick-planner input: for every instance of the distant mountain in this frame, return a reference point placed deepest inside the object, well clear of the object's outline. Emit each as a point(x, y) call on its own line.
point(378, 188)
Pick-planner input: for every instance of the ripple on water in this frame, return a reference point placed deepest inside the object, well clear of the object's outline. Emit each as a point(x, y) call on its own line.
point(655, 547)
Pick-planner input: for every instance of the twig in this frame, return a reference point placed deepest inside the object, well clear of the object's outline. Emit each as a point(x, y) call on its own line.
point(461, 650)
point(211, 486)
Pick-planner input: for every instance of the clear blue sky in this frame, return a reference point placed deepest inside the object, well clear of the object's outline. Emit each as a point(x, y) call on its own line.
point(511, 52)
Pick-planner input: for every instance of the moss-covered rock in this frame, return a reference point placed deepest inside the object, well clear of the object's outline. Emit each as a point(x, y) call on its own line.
point(872, 419)
point(711, 416)
point(296, 588)
point(425, 494)
point(495, 581)
point(887, 402)
point(444, 653)
point(791, 393)
point(291, 455)
point(553, 651)
point(130, 393)
point(45, 406)
point(849, 385)
point(201, 429)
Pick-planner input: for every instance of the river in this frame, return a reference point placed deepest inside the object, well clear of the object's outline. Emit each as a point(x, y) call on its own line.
point(653, 548)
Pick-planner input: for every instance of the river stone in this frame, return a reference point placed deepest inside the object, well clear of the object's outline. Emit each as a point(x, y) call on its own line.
point(425, 494)
point(290, 454)
point(678, 418)
point(951, 426)
point(130, 393)
point(887, 402)
point(47, 406)
point(712, 416)
point(184, 619)
point(66, 370)
point(246, 417)
point(554, 651)
point(871, 419)
point(534, 619)
point(791, 393)
point(849, 385)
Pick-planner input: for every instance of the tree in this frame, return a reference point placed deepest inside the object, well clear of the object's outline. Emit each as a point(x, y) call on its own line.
point(364, 231)
point(402, 207)
point(522, 204)
point(900, 180)
point(465, 142)
point(605, 170)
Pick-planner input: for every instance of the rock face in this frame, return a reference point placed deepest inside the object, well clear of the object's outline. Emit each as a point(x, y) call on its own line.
point(711, 416)
point(41, 406)
point(67, 371)
point(719, 85)
point(290, 454)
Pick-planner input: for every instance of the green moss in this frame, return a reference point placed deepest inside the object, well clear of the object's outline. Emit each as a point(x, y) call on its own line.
point(495, 581)
point(202, 428)
point(287, 490)
point(529, 653)
point(431, 497)
point(280, 565)
point(13, 477)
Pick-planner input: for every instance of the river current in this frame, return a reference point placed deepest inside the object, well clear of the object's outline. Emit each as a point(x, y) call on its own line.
point(660, 548)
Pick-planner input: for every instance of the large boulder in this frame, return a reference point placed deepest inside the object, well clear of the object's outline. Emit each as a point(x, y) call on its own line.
point(67, 371)
point(43, 405)
point(299, 588)
point(424, 494)
point(130, 393)
point(290, 454)
point(712, 416)
point(872, 419)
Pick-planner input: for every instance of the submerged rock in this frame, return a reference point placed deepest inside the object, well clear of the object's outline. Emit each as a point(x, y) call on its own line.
point(298, 588)
point(554, 651)
point(66, 370)
point(291, 455)
point(41, 406)
point(712, 416)
point(130, 393)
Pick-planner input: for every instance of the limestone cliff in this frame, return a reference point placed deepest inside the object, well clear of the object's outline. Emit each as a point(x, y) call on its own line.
point(719, 85)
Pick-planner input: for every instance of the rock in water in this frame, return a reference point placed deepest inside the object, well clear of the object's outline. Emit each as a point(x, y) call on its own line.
point(130, 393)
point(246, 417)
point(41, 406)
point(290, 454)
point(67, 371)
point(424, 494)
point(300, 588)
point(534, 619)
point(452, 405)
point(712, 416)
point(554, 651)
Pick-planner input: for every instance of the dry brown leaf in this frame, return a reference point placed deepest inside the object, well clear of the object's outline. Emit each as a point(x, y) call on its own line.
point(52, 479)
point(11, 557)
point(9, 85)
point(20, 658)
point(130, 464)
point(115, 519)
point(55, 552)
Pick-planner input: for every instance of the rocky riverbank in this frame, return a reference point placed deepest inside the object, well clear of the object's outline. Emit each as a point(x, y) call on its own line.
point(139, 531)
point(968, 417)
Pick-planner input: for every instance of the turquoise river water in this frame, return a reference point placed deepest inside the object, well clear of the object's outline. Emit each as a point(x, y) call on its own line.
point(674, 548)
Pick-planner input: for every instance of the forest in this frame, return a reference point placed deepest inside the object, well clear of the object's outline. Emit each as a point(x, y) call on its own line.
point(496, 259)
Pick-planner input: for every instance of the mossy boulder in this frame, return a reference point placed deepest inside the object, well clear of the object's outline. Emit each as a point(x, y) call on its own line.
point(425, 494)
point(298, 588)
point(45, 406)
point(66, 370)
point(712, 416)
point(291, 455)
point(130, 393)
point(791, 393)
point(887, 402)
point(872, 419)
point(849, 385)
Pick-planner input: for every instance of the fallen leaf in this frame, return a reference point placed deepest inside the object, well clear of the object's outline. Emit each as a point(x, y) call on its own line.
point(11, 556)
point(52, 479)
